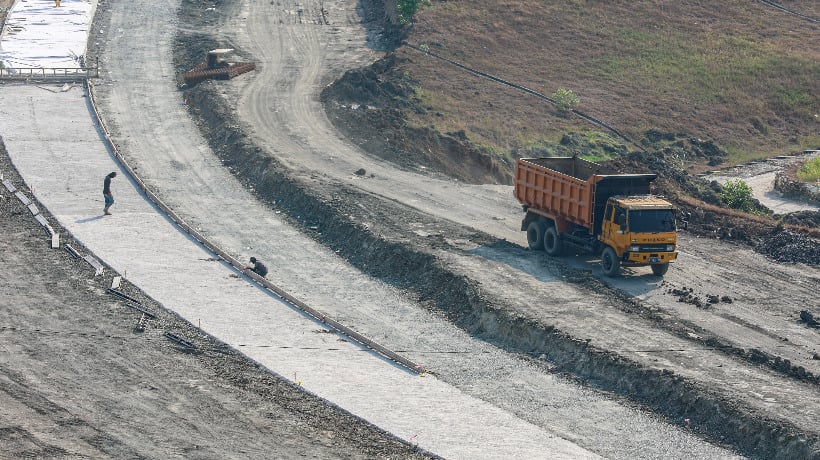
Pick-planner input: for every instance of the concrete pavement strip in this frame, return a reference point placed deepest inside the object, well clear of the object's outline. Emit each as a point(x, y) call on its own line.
point(61, 154)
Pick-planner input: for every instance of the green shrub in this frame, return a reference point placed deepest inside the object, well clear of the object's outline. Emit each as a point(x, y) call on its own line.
point(810, 171)
point(737, 194)
point(565, 99)
point(406, 10)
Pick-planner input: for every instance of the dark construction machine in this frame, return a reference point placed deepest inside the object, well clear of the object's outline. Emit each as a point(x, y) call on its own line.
point(216, 67)
point(570, 201)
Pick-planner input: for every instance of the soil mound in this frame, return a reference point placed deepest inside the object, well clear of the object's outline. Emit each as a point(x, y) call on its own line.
point(369, 108)
point(803, 219)
point(788, 246)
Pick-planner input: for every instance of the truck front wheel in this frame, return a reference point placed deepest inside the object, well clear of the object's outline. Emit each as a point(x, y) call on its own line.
point(660, 269)
point(610, 263)
point(552, 242)
point(535, 235)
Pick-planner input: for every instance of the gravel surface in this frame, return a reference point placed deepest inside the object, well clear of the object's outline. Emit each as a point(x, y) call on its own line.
point(271, 132)
point(80, 379)
point(658, 376)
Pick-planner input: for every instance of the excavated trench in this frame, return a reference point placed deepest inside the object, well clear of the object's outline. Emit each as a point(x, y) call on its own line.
point(384, 249)
point(333, 214)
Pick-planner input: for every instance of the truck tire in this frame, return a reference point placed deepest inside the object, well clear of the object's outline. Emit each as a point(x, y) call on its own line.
point(535, 235)
point(610, 263)
point(552, 242)
point(660, 269)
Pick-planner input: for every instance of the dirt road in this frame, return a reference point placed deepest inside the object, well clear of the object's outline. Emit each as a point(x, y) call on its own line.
point(140, 111)
point(459, 245)
point(405, 257)
point(79, 380)
point(760, 176)
point(280, 107)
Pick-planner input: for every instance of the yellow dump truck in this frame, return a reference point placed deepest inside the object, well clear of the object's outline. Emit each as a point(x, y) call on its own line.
point(570, 201)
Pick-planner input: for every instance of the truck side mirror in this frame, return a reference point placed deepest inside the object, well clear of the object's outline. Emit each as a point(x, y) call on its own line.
point(621, 220)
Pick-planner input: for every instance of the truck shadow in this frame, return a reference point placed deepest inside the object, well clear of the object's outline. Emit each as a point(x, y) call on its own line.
point(579, 269)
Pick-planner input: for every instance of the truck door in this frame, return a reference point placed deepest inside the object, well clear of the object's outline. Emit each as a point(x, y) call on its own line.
point(613, 230)
point(620, 220)
point(606, 225)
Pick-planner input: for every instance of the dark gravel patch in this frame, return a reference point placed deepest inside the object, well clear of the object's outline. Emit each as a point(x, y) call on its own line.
point(788, 246)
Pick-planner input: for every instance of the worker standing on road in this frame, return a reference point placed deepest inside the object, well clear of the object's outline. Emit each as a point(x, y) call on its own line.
point(258, 267)
point(109, 198)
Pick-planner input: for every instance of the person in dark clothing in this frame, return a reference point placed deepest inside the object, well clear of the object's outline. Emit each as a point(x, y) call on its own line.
point(258, 267)
point(109, 198)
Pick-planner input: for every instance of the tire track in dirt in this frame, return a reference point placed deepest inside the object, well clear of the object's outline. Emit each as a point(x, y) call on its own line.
point(303, 211)
point(298, 212)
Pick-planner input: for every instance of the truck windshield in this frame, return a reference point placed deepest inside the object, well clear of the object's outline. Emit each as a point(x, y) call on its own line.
point(655, 220)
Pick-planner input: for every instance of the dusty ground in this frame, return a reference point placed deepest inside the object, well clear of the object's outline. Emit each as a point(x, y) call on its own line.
point(290, 158)
point(71, 355)
point(465, 271)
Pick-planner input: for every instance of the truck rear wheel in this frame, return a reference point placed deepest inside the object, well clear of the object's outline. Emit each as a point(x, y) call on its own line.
point(660, 269)
point(552, 242)
point(610, 263)
point(535, 235)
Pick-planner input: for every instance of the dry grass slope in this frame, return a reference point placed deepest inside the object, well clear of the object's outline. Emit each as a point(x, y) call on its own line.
point(739, 73)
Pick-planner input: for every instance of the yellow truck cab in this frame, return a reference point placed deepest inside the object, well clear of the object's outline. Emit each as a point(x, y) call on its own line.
point(638, 231)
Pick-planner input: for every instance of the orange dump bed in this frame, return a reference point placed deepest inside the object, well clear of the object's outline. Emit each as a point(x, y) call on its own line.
point(540, 183)
point(573, 189)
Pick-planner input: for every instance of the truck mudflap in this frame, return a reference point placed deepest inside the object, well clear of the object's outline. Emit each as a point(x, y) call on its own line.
point(648, 258)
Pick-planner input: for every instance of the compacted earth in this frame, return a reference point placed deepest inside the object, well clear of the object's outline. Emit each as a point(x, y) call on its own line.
point(69, 351)
point(87, 374)
point(741, 290)
point(59, 304)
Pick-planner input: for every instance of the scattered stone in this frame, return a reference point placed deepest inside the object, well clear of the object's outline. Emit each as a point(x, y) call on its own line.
point(791, 247)
point(803, 218)
point(360, 172)
point(686, 295)
point(808, 318)
point(757, 356)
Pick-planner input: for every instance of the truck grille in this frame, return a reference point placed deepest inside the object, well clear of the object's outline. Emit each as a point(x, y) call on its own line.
point(652, 248)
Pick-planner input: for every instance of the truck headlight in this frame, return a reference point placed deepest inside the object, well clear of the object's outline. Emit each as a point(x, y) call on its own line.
point(634, 248)
point(670, 247)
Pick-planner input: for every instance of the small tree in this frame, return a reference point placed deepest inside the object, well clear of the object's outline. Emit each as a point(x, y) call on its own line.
point(565, 99)
point(737, 194)
point(406, 9)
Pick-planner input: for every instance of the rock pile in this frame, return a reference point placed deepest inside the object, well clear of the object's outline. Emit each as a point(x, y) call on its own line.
point(788, 246)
